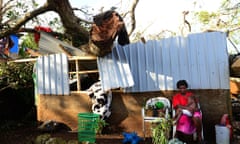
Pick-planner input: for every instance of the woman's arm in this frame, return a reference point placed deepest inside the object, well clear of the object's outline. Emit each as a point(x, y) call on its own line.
point(182, 107)
point(177, 103)
point(190, 107)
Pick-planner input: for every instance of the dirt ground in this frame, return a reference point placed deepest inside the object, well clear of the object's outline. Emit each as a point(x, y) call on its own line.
point(28, 134)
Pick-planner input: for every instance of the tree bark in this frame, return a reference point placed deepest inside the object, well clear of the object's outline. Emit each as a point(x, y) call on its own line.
point(70, 21)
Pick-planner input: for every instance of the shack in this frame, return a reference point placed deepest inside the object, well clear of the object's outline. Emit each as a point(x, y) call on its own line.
point(136, 72)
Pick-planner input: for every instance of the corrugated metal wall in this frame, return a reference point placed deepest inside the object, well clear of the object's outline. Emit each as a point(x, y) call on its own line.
point(52, 75)
point(114, 69)
point(201, 59)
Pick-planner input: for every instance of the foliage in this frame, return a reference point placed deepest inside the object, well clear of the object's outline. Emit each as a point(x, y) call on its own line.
point(47, 139)
point(27, 42)
point(56, 24)
point(14, 10)
point(160, 130)
point(16, 75)
point(205, 16)
point(101, 124)
point(226, 19)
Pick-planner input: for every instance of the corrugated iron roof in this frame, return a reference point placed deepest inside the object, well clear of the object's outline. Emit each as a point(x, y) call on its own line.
point(50, 45)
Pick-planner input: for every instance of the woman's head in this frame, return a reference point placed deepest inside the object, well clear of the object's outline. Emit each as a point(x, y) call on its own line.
point(182, 85)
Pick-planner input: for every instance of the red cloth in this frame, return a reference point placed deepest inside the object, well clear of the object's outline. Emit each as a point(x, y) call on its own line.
point(178, 99)
point(40, 28)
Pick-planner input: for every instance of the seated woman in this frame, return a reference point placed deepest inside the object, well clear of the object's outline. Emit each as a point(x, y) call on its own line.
point(192, 104)
point(189, 118)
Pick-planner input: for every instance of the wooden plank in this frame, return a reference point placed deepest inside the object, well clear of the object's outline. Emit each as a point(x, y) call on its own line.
point(70, 58)
point(84, 72)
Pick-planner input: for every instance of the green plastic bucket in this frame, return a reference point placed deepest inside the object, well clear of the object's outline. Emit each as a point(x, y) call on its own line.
point(87, 127)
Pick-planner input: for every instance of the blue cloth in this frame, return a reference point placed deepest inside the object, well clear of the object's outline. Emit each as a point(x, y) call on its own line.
point(132, 138)
point(14, 49)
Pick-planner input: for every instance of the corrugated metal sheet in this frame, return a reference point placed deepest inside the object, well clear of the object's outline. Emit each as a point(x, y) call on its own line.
point(115, 71)
point(50, 45)
point(201, 59)
point(52, 75)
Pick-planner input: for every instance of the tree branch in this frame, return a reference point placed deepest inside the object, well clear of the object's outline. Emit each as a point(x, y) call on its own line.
point(26, 18)
point(72, 24)
point(132, 16)
point(1, 89)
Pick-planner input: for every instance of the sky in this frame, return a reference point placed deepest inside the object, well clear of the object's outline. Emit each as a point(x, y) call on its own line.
point(152, 15)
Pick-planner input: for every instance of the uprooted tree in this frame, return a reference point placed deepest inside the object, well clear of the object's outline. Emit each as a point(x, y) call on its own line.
point(98, 41)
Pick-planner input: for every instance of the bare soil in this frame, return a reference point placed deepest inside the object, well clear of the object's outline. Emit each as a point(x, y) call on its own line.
point(27, 134)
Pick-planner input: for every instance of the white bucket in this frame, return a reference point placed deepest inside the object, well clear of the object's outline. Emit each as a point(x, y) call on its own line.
point(222, 134)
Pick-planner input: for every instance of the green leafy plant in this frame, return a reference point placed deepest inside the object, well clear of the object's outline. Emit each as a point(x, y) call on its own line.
point(15, 75)
point(161, 130)
point(101, 125)
point(156, 110)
